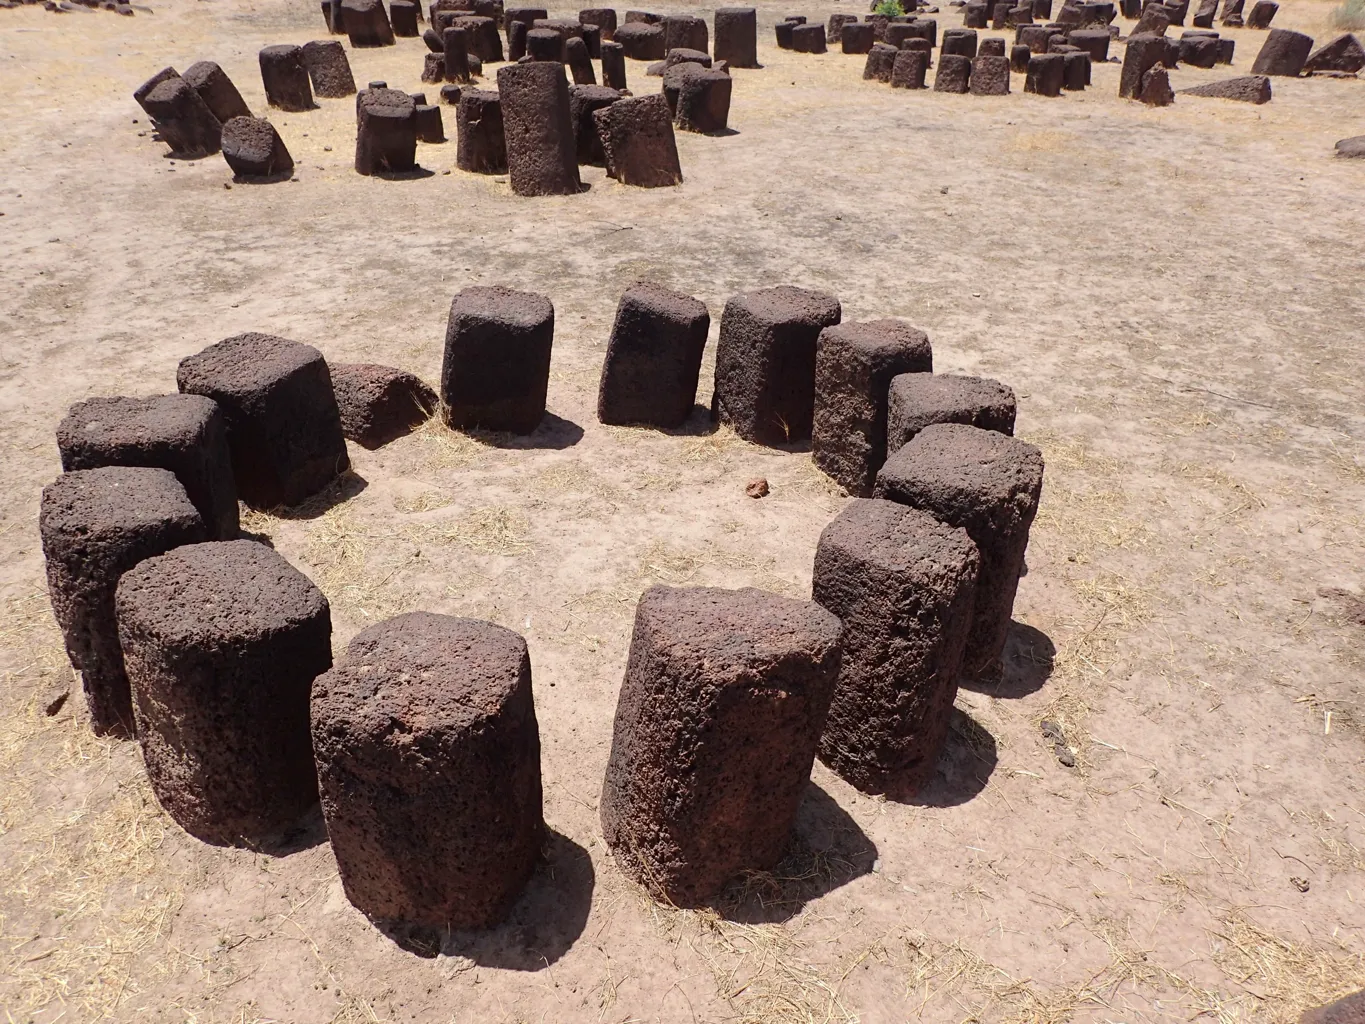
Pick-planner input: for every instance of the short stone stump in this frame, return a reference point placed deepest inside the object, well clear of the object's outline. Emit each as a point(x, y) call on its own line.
point(915, 400)
point(95, 525)
point(480, 145)
point(283, 427)
point(725, 696)
point(954, 73)
point(1284, 53)
point(253, 149)
point(809, 39)
point(185, 434)
point(1046, 74)
point(217, 91)
point(653, 357)
point(583, 100)
point(765, 362)
point(857, 37)
point(904, 585)
point(542, 155)
point(638, 143)
point(703, 104)
point(183, 119)
point(736, 36)
point(428, 762)
point(379, 404)
point(909, 69)
point(366, 23)
point(685, 31)
point(287, 85)
point(990, 76)
point(881, 61)
point(386, 132)
point(987, 484)
point(328, 68)
point(496, 369)
point(222, 642)
point(854, 366)
point(613, 65)
point(641, 41)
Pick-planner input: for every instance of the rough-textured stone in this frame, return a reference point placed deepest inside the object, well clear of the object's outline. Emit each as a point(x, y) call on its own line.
point(653, 357)
point(881, 60)
point(528, 16)
point(1156, 88)
point(183, 119)
point(542, 157)
point(1020, 55)
point(1352, 148)
point(765, 362)
point(1226, 49)
point(703, 104)
point(854, 366)
point(285, 75)
point(1046, 74)
point(480, 146)
point(416, 702)
point(1075, 71)
point(222, 642)
point(909, 68)
point(1155, 20)
point(366, 23)
point(834, 29)
point(141, 92)
point(379, 403)
point(638, 141)
point(1246, 88)
point(737, 36)
point(613, 65)
point(433, 69)
point(1284, 53)
point(1093, 41)
point(954, 73)
point(992, 47)
point(583, 100)
point(903, 585)
point(497, 359)
point(283, 427)
point(1346, 1010)
point(545, 44)
point(990, 76)
point(386, 135)
point(685, 31)
point(1261, 14)
point(580, 64)
point(857, 37)
point(455, 53)
point(808, 39)
point(1205, 13)
point(185, 434)
point(603, 17)
point(1199, 51)
point(641, 41)
point(915, 400)
point(987, 484)
point(481, 36)
point(95, 525)
point(724, 699)
point(1141, 53)
point(961, 41)
point(403, 15)
point(215, 88)
point(1232, 13)
point(254, 149)
point(1344, 53)
point(328, 68)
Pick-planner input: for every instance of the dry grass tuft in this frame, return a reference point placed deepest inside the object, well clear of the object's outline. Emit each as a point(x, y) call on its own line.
point(434, 445)
point(1286, 979)
point(337, 555)
point(427, 501)
point(714, 446)
point(491, 531)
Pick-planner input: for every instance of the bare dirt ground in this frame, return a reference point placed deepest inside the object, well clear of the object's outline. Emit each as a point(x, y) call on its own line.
point(1174, 294)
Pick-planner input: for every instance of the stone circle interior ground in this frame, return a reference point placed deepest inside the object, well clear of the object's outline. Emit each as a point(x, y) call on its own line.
point(1174, 295)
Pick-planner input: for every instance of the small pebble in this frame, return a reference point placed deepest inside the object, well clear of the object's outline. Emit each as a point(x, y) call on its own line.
point(757, 488)
point(1300, 884)
point(326, 149)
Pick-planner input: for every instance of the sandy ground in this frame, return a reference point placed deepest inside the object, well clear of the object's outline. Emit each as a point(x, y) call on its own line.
point(1174, 294)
